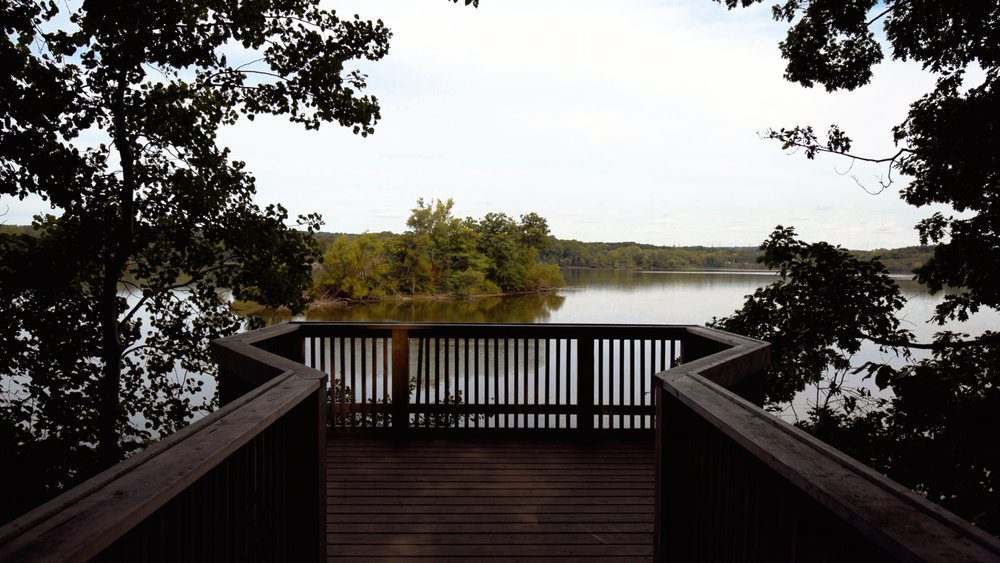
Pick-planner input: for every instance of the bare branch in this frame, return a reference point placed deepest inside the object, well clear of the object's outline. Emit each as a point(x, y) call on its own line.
point(881, 14)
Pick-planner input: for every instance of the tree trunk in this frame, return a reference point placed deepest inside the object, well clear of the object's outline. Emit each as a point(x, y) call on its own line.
point(119, 249)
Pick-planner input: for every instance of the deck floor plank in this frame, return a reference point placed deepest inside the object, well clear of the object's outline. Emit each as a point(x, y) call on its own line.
point(460, 499)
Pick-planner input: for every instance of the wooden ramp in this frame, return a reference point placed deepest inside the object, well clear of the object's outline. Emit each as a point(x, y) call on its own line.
point(465, 499)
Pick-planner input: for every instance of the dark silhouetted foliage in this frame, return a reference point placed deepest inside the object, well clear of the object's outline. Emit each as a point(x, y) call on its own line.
point(110, 112)
point(936, 428)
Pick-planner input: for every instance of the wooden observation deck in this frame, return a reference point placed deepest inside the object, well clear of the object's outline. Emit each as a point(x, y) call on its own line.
point(430, 442)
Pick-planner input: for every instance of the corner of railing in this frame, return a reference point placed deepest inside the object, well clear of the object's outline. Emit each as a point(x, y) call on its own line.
point(732, 478)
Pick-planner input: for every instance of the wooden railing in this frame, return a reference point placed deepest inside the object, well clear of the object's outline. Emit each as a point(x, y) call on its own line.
point(245, 483)
point(476, 376)
point(736, 484)
point(733, 483)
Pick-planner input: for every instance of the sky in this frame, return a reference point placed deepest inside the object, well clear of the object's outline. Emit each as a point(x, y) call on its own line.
point(614, 119)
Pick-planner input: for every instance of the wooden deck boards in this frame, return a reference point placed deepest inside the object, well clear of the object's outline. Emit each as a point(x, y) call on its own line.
point(459, 499)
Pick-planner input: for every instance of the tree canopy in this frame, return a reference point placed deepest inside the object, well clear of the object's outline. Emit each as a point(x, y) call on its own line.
point(935, 427)
point(440, 254)
point(110, 112)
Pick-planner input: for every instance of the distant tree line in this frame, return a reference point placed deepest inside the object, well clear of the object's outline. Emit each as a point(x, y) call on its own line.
point(560, 252)
point(634, 256)
point(439, 254)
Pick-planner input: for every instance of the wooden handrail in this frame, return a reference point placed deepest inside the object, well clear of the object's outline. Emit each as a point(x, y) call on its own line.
point(732, 480)
point(736, 482)
point(261, 451)
point(487, 377)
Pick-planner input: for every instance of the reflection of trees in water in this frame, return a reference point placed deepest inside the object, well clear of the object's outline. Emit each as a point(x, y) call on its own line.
point(533, 308)
point(539, 307)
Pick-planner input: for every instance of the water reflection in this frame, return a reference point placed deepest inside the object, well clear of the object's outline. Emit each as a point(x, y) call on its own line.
point(610, 296)
point(533, 308)
point(625, 297)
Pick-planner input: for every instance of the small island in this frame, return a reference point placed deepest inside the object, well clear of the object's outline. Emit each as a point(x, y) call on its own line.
point(439, 255)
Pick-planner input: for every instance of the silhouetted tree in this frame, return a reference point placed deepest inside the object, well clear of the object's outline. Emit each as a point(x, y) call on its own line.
point(110, 112)
point(937, 432)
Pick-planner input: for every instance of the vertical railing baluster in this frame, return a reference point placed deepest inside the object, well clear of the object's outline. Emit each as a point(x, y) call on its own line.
point(354, 384)
point(647, 397)
point(466, 377)
point(427, 375)
point(447, 374)
point(420, 370)
point(458, 393)
point(517, 379)
point(525, 387)
point(374, 400)
point(506, 382)
point(342, 384)
point(584, 386)
point(569, 380)
point(558, 394)
point(437, 371)
point(322, 356)
point(600, 383)
point(548, 377)
point(611, 382)
point(496, 379)
point(339, 391)
point(364, 383)
point(385, 380)
point(621, 382)
point(475, 364)
point(632, 379)
point(537, 377)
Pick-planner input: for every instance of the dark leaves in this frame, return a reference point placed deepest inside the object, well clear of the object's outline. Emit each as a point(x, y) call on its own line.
point(817, 314)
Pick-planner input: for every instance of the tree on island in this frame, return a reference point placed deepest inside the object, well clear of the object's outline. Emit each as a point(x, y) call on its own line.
point(110, 113)
point(440, 254)
point(937, 432)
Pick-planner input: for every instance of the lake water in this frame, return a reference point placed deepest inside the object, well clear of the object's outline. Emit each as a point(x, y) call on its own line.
point(604, 296)
point(616, 296)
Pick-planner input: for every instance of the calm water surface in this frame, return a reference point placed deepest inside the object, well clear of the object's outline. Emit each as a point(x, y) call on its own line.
point(603, 296)
point(606, 296)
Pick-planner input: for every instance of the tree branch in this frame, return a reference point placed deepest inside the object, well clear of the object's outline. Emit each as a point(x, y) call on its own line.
point(981, 341)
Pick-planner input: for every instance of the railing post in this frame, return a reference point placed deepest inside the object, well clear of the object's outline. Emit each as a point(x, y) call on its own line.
point(291, 346)
point(585, 386)
point(658, 491)
point(305, 456)
point(674, 497)
point(751, 388)
point(400, 379)
point(231, 385)
point(695, 347)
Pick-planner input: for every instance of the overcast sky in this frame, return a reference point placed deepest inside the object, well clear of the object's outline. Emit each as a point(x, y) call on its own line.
point(615, 119)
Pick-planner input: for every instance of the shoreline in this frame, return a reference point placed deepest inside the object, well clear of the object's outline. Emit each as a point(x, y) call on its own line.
point(343, 302)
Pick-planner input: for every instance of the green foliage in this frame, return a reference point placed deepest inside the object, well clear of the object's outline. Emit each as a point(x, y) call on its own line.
point(634, 256)
point(440, 254)
point(343, 394)
point(110, 112)
point(816, 315)
point(936, 431)
point(355, 268)
point(826, 304)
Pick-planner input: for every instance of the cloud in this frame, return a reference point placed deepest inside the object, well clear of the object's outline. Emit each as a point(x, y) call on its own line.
point(605, 116)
